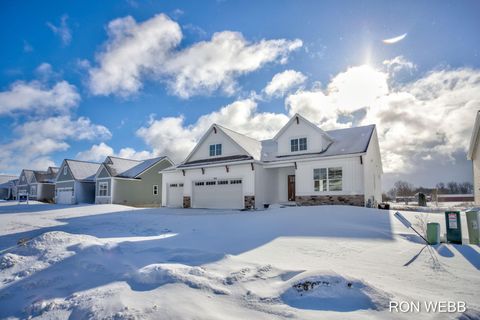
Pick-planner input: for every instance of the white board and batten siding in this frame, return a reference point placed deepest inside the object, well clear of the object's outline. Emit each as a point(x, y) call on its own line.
point(315, 141)
point(228, 148)
point(352, 176)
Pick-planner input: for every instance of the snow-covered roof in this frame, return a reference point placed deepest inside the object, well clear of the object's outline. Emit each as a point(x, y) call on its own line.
point(29, 175)
point(83, 170)
point(45, 176)
point(252, 146)
point(128, 168)
point(141, 167)
point(345, 141)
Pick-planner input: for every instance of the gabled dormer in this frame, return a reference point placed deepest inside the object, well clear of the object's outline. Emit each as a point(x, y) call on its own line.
point(219, 142)
point(300, 136)
point(64, 173)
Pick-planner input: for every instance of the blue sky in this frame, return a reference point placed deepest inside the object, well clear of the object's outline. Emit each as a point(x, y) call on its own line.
point(140, 78)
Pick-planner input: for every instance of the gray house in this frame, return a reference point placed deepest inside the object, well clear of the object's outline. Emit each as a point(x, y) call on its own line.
point(25, 179)
point(131, 182)
point(42, 187)
point(6, 186)
point(75, 182)
point(37, 185)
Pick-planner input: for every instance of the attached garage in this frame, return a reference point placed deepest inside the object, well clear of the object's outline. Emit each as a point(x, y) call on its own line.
point(64, 196)
point(218, 194)
point(175, 195)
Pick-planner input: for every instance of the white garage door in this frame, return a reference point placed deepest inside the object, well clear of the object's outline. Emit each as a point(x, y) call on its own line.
point(175, 195)
point(64, 195)
point(221, 194)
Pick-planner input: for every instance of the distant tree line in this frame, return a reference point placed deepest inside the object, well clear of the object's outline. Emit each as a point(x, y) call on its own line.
point(405, 189)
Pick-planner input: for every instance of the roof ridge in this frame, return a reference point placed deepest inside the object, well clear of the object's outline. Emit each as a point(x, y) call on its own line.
point(367, 125)
point(125, 159)
point(84, 161)
point(242, 134)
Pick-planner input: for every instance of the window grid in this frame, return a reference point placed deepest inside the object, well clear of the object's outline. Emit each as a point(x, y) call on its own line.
point(328, 179)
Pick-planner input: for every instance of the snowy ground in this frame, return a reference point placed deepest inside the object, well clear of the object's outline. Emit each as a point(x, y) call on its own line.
point(116, 262)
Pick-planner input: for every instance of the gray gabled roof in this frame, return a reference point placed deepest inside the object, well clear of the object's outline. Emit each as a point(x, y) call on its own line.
point(127, 168)
point(29, 175)
point(252, 146)
point(83, 170)
point(46, 176)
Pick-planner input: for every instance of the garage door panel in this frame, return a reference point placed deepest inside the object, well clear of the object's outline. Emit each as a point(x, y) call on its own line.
point(64, 196)
point(175, 195)
point(221, 194)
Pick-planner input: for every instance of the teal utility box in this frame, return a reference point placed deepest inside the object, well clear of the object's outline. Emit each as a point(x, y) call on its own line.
point(473, 223)
point(433, 233)
point(454, 228)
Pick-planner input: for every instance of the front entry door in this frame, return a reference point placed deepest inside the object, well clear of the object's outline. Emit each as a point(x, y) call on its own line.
point(291, 188)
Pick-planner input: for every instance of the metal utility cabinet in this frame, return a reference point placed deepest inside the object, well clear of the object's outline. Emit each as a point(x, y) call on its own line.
point(454, 227)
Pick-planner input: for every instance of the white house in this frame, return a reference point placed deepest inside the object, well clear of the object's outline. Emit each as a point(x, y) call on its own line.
point(301, 164)
point(474, 155)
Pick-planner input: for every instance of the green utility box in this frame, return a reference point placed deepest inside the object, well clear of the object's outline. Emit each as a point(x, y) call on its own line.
point(433, 233)
point(473, 223)
point(454, 228)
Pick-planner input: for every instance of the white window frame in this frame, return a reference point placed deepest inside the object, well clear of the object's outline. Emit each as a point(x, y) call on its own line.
point(100, 185)
point(217, 150)
point(32, 188)
point(65, 171)
point(155, 189)
point(327, 179)
point(297, 140)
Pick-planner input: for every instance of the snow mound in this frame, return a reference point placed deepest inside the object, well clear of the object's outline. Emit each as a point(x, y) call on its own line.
point(155, 275)
point(8, 260)
point(333, 292)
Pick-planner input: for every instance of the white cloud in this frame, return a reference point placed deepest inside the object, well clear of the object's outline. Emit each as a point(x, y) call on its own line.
point(169, 136)
point(149, 50)
point(283, 82)
point(36, 140)
point(36, 97)
point(98, 153)
point(62, 30)
point(131, 52)
point(432, 115)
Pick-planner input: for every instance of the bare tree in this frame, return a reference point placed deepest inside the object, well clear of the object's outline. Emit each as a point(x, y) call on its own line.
point(403, 189)
point(452, 188)
point(465, 188)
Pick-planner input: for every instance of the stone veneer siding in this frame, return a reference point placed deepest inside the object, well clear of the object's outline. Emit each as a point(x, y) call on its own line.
point(352, 200)
point(249, 202)
point(186, 202)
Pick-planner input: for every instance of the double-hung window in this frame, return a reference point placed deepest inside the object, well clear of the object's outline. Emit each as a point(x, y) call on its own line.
point(215, 150)
point(299, 144)
point(103, 189)
point(327, 179)
point(320, 179)
point(155, 189)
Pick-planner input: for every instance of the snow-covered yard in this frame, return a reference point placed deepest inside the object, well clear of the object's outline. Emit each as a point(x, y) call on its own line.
point(329, 262)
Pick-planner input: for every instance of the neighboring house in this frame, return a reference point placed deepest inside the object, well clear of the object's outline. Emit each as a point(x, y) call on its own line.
point(25, 179)
point(301, 164)
point(75, 182)
point(6, 186)
point(42, 187)
point(474, 155)
point(131, 182)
